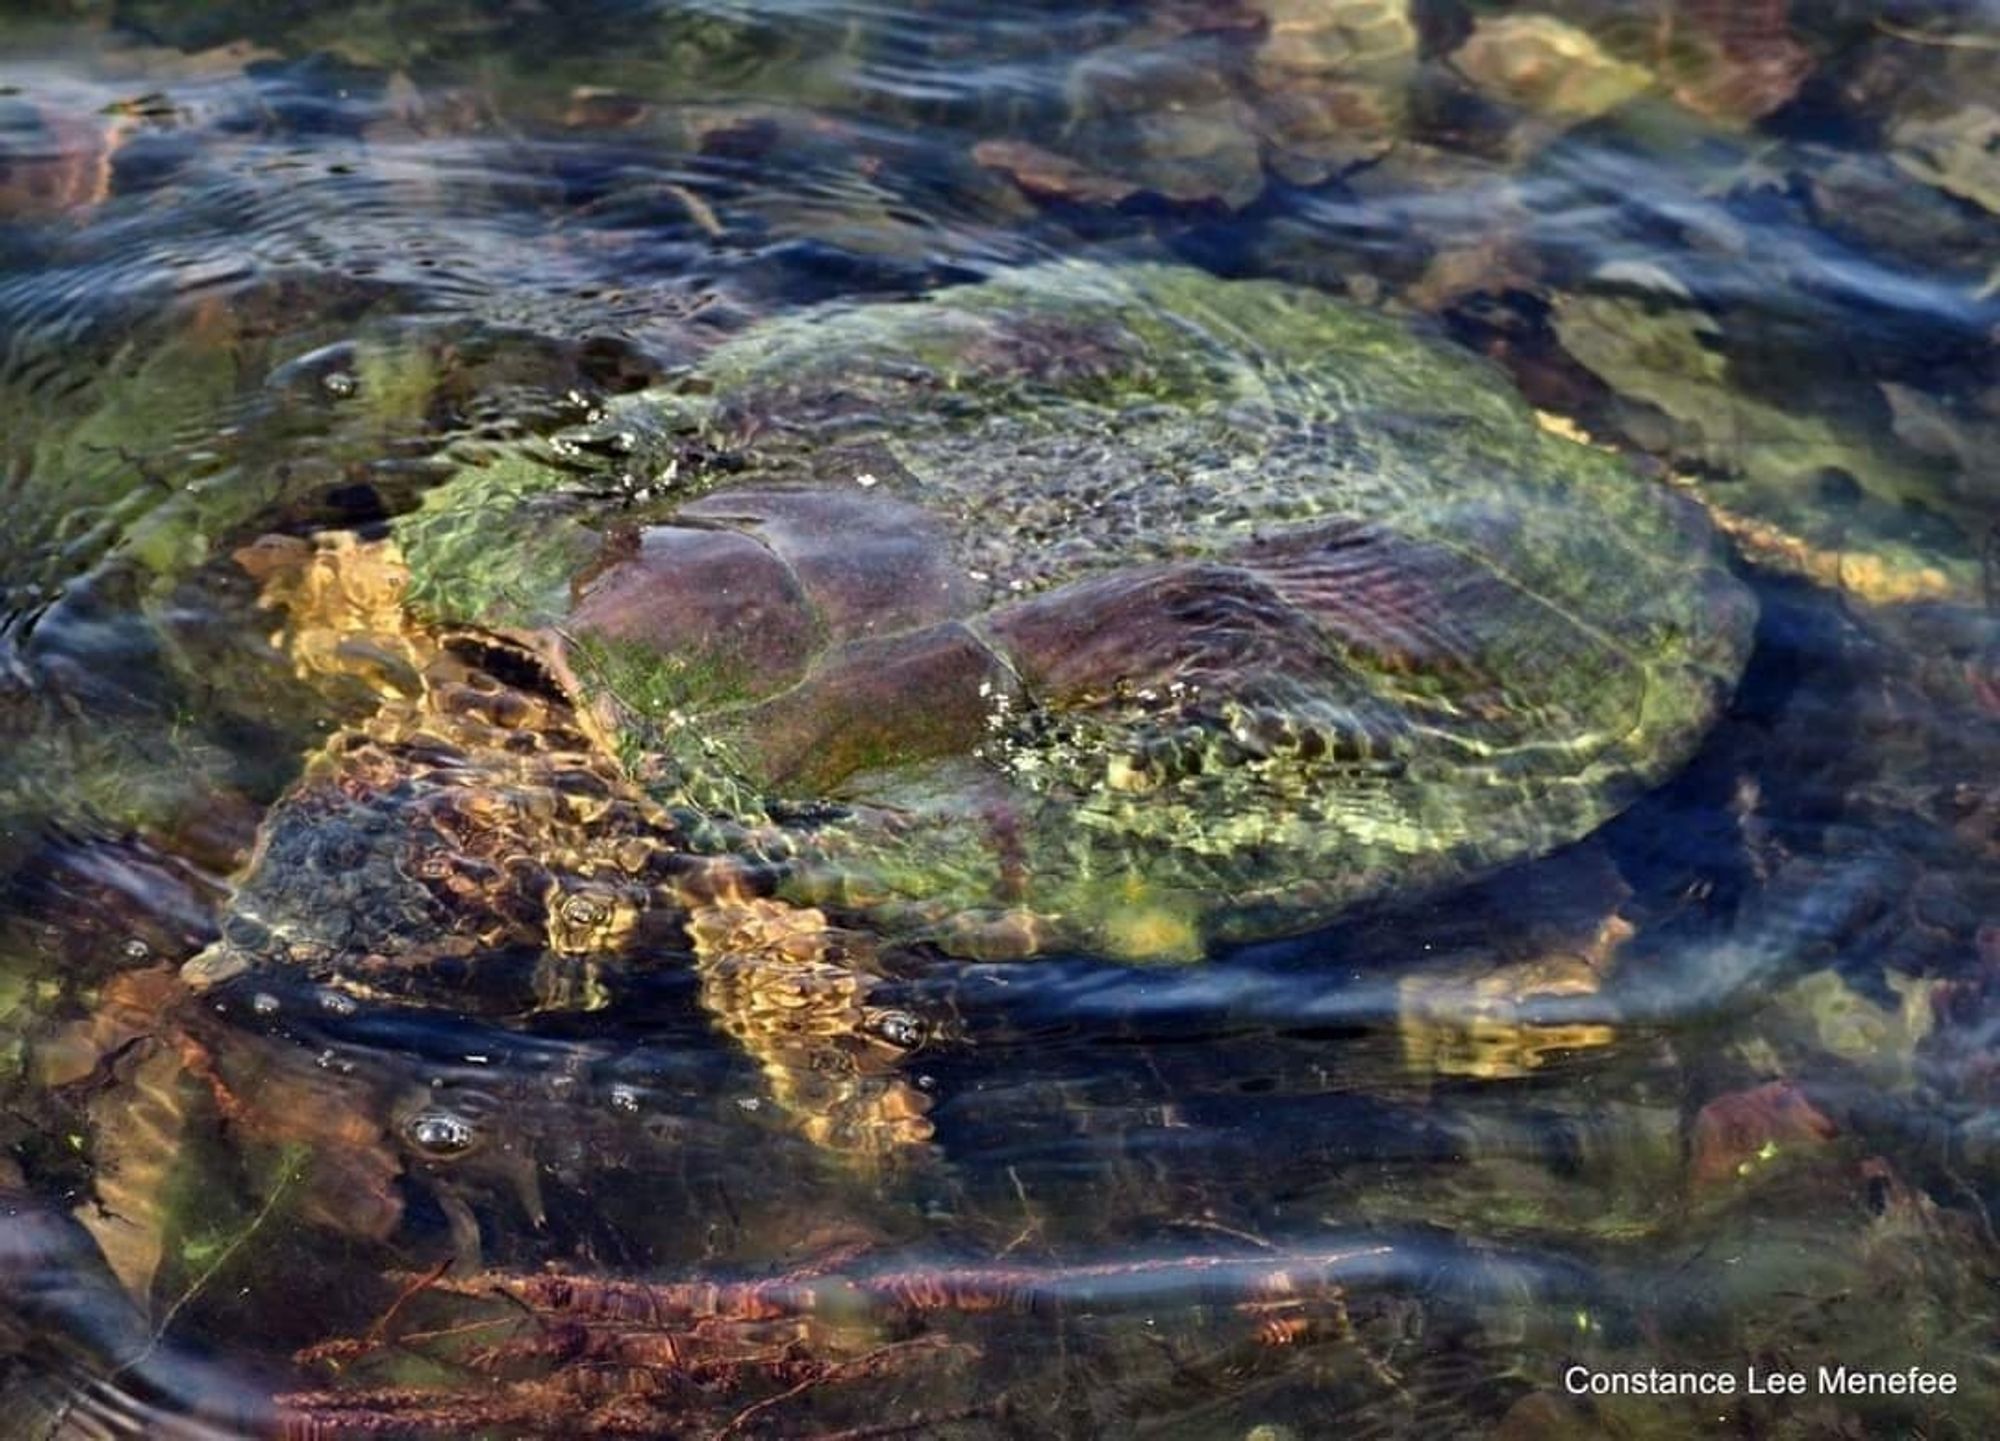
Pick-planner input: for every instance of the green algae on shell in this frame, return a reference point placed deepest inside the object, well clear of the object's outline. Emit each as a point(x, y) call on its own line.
point(1124, 608)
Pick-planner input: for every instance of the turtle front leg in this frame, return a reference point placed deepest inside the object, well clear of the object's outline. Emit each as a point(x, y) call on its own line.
point(795, 993)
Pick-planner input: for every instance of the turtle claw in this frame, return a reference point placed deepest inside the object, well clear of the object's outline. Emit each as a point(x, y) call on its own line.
point(794, 992)
point(213, 966)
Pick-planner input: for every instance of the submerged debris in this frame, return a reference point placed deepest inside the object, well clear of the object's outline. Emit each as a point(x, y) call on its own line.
point(606, 1356)
point(1959, 153)
point(1736, 1134)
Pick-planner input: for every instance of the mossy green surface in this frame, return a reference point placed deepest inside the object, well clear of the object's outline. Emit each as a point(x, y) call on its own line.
point(1071, 422)
point(485, 545)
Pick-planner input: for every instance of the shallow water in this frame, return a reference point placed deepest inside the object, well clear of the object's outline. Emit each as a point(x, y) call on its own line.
point(1710, 1090)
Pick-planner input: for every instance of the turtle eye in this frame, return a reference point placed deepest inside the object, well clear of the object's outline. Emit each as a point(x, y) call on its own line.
point(584, 912)
point(244, 932)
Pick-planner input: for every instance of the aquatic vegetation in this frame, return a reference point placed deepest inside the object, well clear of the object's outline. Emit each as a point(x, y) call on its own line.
point(1954, 153)
point(722, 1354)
point(1669, 354)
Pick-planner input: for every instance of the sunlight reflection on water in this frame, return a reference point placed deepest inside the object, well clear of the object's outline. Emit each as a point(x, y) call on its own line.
point(1715, 1082)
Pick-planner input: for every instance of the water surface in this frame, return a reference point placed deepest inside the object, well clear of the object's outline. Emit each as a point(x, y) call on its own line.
point(1712, 1089)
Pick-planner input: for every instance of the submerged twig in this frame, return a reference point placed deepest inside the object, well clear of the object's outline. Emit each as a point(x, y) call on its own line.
point(603, 1355)
point(963, 1289)
point(195, 1287)
point(1945, 42)
point(380, 1330)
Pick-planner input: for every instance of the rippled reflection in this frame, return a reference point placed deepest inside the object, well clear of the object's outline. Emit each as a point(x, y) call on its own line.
point(1711, 1087)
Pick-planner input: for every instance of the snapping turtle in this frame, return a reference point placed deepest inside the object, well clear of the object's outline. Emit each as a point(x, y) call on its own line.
point(1129, 610)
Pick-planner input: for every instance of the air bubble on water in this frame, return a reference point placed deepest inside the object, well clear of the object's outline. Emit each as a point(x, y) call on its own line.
point(625, 1099)
point(137, 950)
point(899, 1029)
point(750, 1103)
point(337, 1003)
point(339, 384)
point(264, 1003)
point(441, 1133)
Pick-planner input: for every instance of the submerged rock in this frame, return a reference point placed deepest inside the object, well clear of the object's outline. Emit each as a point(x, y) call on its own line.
point(1333, 82)
point(1545, 66)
